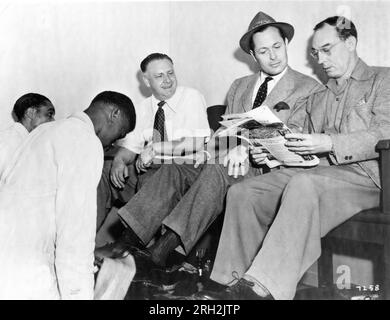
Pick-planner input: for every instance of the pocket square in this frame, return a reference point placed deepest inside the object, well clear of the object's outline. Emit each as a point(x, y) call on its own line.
point(281, 106)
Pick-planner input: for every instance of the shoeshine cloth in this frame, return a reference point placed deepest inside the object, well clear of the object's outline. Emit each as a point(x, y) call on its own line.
point(114, 278)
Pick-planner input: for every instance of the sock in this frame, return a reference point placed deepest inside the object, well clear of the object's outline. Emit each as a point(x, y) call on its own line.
point(258, 288)
point(164, 246)
point(129, 237)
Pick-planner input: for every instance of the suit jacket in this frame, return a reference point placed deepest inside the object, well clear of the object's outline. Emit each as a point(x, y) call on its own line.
point(365, 119)
point(293, 88)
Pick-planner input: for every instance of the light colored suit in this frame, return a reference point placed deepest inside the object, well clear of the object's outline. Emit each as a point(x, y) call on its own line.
point(293, 88)
point(308, 203)
point(365, 119)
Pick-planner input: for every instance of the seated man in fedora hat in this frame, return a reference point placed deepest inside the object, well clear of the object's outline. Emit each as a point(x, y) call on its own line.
point(185, 199)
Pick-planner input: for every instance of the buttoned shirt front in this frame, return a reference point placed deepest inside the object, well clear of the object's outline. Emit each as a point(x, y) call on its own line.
point(10, 139)
point(48, 212)
point(185, 116)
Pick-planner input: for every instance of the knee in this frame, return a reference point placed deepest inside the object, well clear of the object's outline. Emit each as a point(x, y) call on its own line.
point(302, 182)
point(241, 191)
point(211, 170)
point(168, 169)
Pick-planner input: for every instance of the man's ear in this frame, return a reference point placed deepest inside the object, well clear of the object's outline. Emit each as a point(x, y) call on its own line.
point(146, 80)
point(351, 43)
point(115, 115)
point(253, 55)
point(30, 113)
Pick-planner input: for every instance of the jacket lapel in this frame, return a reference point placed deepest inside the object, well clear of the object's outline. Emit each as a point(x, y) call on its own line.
point(247, 95)
point(360, 84)
point(281, 90)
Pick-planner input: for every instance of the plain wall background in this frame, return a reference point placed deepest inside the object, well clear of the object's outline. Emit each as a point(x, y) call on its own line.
point(71, 50)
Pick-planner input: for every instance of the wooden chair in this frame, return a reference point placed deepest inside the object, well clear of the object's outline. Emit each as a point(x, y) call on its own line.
point(366, 235)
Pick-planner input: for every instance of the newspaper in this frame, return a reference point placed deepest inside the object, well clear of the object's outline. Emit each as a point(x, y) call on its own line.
point(268, 131)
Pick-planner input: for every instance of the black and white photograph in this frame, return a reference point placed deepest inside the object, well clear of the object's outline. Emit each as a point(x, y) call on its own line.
point(201, 151)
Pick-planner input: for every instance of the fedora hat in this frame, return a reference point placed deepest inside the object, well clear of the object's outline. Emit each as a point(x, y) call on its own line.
point(260, 21)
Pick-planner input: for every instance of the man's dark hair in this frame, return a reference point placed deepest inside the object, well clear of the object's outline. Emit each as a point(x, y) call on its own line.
point(252, 44)
point(121, 101)
point(345, 28)
point(28, 100)
point(152, 57)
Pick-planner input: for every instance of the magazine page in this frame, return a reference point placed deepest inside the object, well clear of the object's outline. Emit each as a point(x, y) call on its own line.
point(262, 114)
point(266, 129)
point(276, 148)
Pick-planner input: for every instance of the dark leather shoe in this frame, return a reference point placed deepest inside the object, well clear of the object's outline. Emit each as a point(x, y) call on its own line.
point(145, 267)
point(210, 295)
point(120, 248)
point(112, 250)
point(242, 290)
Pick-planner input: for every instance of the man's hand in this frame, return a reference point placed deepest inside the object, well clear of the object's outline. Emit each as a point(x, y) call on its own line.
point(308, 143)
point(258, 154)
point(147, 155)
point(145, 159)
point(237, 161)
point(118, 173)
point(139, 166)
point(201, 157)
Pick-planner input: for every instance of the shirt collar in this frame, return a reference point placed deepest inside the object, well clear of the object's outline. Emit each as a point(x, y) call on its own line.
point(172, 103)
point(21, 129)
point(84, 118)
point(360, 72)
point(275, 78)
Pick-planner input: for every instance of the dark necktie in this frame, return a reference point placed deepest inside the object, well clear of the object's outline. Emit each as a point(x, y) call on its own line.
point(261, 93)
point(159, 130)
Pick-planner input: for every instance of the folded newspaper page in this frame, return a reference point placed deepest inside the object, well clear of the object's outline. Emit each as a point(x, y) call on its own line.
point(266, 130)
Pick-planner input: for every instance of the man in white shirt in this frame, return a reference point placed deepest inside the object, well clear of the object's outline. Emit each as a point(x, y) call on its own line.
point(30, 110)
point(184, 130)
point(48, 202)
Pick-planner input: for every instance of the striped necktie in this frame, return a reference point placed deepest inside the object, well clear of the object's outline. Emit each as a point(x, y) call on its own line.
point(159, 130)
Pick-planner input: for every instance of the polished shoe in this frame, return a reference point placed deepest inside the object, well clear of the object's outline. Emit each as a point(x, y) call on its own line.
point(210, 295)
point(112, 250)
point(145, 266)
point(242, 290)
point(120, 248)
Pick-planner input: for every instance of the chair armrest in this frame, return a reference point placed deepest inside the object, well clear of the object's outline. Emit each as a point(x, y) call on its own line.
point(214, 114)
point(383, 147)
